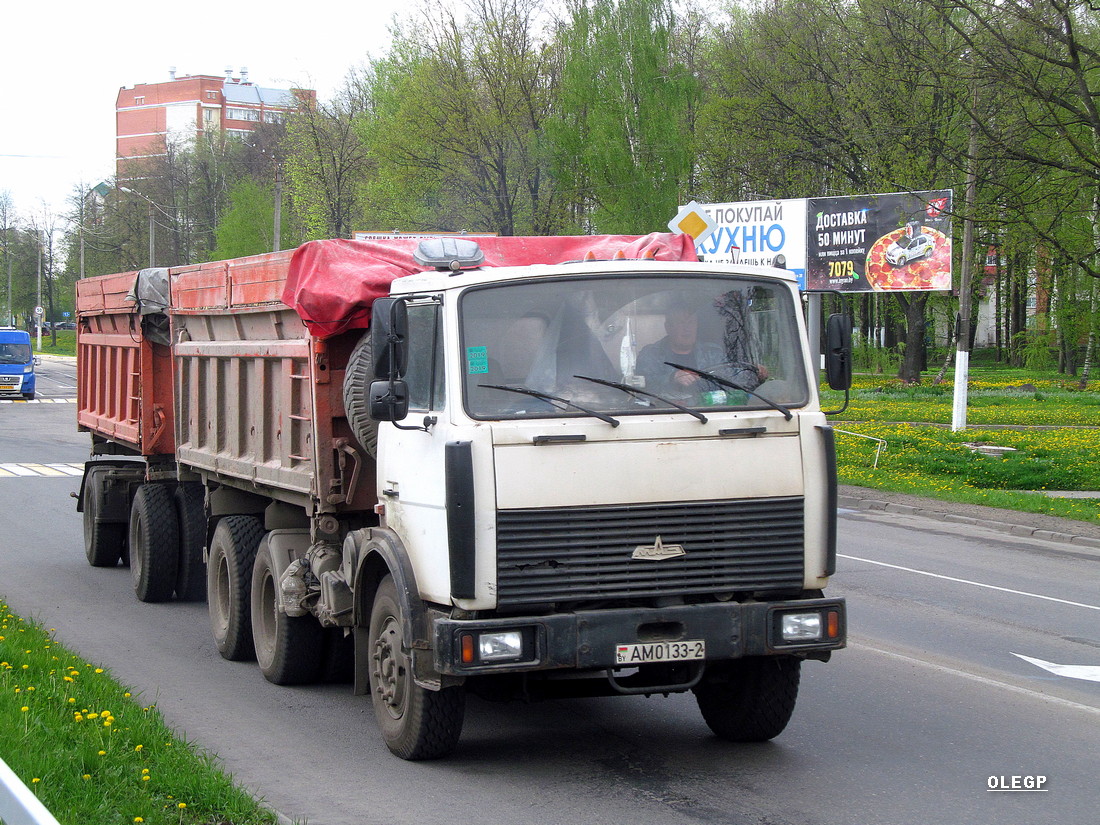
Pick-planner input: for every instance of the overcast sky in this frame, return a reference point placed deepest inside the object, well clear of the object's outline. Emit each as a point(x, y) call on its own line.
point(63, 63)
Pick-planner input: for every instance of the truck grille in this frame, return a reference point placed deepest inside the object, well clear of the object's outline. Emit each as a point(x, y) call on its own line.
point(583, 554)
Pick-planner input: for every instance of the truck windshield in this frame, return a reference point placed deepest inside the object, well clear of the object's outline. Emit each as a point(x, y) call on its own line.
point(15, 353)
point(572, 346)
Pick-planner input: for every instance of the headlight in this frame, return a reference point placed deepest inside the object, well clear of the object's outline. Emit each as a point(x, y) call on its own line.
point(497, 647)
point(28, 368)
point(800, 627)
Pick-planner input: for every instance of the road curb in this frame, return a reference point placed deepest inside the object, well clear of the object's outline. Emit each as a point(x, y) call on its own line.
point(856, 502)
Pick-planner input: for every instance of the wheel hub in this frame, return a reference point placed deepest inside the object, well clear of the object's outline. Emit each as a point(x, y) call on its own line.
point(390, 668)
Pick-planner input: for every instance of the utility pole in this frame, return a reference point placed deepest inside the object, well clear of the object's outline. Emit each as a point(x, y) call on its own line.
point(962, 355)
point(38, 303)
point(83, 202)
point(152, 222)
point(277, 242)
point(152, 235)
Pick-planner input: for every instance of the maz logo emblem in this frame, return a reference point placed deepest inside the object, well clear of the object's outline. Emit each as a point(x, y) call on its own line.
point(658, 551)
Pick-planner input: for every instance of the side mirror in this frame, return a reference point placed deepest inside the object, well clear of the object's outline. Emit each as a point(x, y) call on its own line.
point(838, 352)
point(37, 360)
point(389, 400)
point(389, 337)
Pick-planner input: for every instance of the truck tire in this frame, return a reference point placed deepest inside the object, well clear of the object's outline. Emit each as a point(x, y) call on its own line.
point(357, 378)
point(154, 543)
point(416, 723)
point(191, 576)
point(103, 542)
point(756, 701)
point(229, 585)
point(289, 649)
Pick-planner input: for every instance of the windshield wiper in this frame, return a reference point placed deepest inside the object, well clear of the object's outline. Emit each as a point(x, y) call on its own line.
point(545, 396)
point(637, 392)
point(710, 376)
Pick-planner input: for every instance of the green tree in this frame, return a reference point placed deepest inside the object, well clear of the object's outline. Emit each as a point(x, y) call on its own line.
point(247, 226)
point(456, 122)
point(621, 137)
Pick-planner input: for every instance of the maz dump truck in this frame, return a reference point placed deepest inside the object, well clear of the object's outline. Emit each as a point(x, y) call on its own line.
point(522, 468)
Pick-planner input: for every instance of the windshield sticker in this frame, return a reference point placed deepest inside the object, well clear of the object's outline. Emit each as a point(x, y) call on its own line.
point(477, 360)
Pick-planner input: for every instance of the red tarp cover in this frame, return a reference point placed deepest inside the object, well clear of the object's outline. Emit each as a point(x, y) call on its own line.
point(332, 284)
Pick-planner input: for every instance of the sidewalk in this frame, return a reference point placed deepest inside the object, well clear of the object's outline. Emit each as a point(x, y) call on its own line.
point(1051, 528)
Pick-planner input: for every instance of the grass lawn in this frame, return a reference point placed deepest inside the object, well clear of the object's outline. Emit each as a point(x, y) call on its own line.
point(1052, 426)
point(93, 753)
point(66, 343)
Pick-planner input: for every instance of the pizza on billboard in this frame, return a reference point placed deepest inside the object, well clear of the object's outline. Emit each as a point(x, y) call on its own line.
point(914, 257)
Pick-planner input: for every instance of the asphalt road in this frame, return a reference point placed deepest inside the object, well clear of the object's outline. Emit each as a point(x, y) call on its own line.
point(905, 726)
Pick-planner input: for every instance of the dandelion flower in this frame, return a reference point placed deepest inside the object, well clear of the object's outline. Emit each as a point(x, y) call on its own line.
point(139, 747)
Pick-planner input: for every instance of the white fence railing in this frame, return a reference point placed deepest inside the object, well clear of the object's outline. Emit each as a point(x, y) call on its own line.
point(18, 806)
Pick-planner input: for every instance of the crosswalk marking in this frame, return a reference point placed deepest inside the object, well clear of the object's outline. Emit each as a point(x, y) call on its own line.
point(31, 470)
point(38, 401)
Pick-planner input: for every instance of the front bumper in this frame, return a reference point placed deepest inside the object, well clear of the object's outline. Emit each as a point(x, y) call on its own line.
point(588, 639)
point(13, 385)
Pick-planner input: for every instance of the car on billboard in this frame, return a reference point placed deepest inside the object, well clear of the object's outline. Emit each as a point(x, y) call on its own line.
point(906, 249)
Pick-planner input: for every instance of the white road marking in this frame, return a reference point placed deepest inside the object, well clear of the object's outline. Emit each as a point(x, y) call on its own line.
point(38, 401)
point(30, 470)
point(973, 677)
point(1090, 673)
point(972, 583)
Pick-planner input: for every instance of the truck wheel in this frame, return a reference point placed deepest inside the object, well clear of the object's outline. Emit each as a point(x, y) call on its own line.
point(756, 701)
point(154, 543)
point(103, 543)
point(357, 378)
point(416, 723)
point(289, 649)
point(191, 576)
point(229, 582)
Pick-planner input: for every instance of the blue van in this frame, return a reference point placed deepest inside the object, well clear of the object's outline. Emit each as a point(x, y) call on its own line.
point(16, 364)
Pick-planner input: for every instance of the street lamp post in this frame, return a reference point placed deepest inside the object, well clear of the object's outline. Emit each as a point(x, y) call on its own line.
point(152, 222)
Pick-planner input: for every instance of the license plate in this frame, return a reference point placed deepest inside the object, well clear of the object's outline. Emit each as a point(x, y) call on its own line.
point(660, 652)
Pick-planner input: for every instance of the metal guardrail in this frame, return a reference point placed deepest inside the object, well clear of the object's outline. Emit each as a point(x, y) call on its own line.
point(878, 450)
point(18, 806)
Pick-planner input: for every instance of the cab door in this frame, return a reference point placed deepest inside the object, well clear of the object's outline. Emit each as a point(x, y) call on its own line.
point(411, 456)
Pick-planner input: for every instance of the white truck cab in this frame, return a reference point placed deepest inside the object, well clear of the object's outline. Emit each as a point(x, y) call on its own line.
point(617, 475)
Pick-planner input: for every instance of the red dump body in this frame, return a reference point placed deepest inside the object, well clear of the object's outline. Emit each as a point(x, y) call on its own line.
point(251, 385)
point(124, 380)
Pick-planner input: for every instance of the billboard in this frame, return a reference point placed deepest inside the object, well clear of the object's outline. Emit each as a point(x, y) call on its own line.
point(755, 232)
point(899, 241)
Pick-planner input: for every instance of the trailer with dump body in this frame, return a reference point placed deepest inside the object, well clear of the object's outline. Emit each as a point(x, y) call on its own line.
point(518, 467)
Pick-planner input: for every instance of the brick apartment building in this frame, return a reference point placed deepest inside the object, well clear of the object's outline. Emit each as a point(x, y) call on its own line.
point(190, 106)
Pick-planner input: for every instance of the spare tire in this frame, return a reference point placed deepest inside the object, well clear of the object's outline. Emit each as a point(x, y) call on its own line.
point(357, 378)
